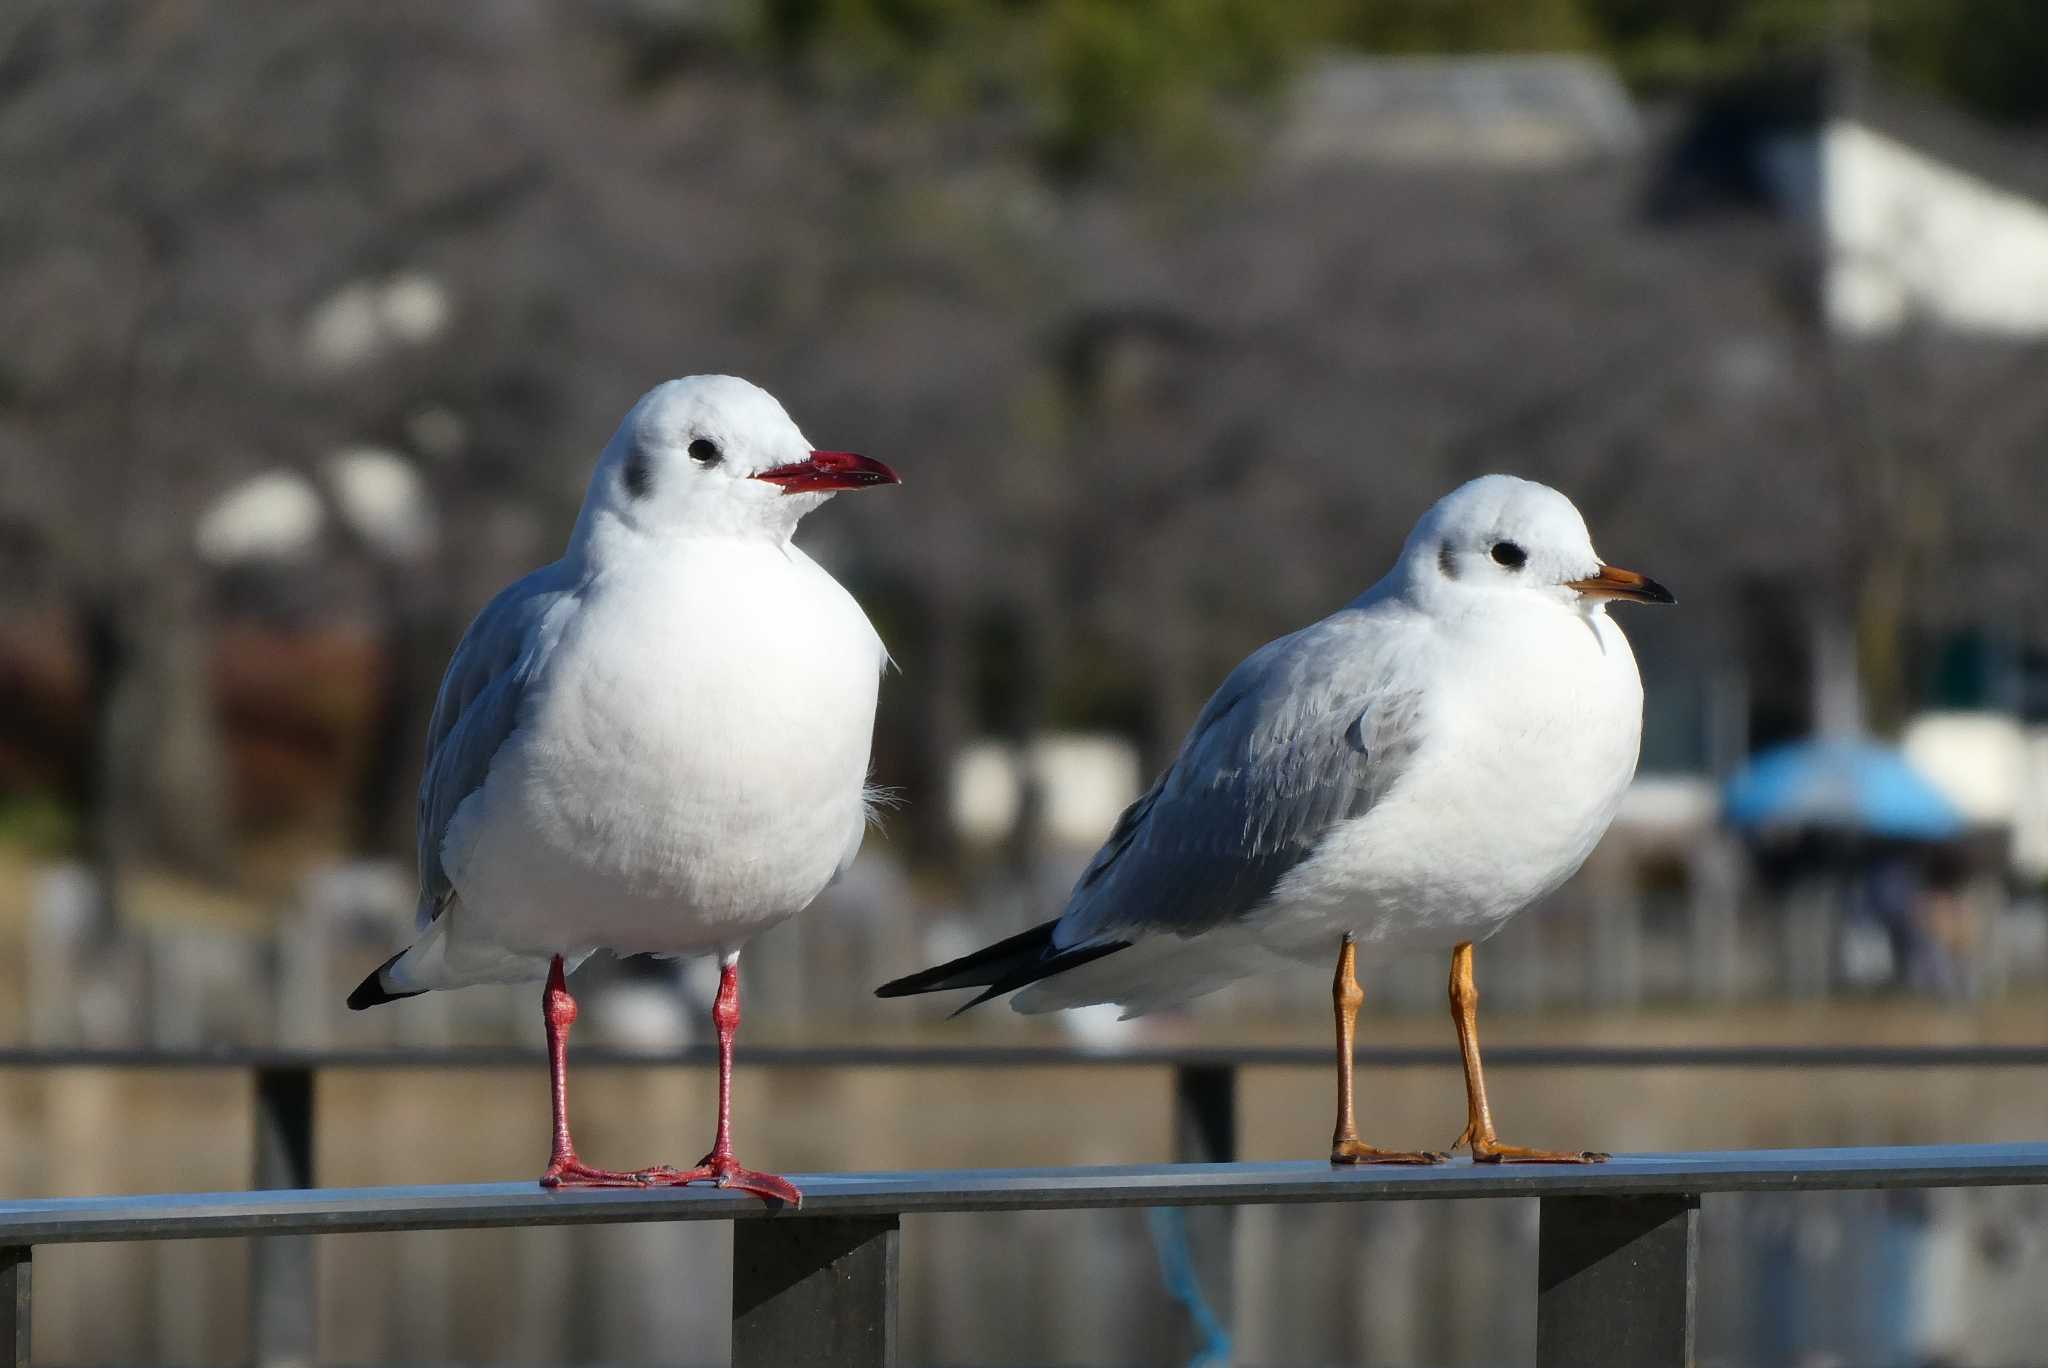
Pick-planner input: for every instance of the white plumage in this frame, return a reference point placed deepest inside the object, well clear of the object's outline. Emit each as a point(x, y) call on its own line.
point(660, 742)
point(1406, 774)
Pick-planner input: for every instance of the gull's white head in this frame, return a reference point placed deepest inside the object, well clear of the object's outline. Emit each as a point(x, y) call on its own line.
point(1501, 535)
point(715, 455)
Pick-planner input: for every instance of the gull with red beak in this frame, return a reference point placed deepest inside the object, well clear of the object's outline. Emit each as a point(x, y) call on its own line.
point(657, 744)
point(1404, 775)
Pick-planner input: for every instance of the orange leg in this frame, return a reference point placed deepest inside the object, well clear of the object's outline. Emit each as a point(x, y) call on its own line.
point(1478, 1132)
point(1346, 1147)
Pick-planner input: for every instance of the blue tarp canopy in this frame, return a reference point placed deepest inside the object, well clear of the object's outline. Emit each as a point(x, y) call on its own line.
point(1840, 785)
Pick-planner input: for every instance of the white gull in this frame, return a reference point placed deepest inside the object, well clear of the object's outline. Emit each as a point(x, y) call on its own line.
point(1406, 774)
point(658, 744)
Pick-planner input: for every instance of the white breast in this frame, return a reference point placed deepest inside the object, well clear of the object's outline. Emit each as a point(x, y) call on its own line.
point(1532, 732)
point(693, 763)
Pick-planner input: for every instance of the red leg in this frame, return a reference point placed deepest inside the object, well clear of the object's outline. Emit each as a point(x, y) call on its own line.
point(719, 1165)
point(564, 1168)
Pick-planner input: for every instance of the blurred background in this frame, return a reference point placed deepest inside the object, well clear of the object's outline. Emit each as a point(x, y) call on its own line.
point(1174, 314)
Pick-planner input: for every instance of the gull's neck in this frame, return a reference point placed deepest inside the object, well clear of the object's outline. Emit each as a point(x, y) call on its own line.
point(605, 536)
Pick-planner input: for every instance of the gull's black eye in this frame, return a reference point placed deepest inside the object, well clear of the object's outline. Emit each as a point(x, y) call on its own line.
point(705, 452)
point(1510, 555)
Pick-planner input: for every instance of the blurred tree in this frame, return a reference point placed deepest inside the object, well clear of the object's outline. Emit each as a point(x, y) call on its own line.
point(1435, 26)
point(1988, 55)
point(1680, 43)
point(1082, 77)
point(1086, 79)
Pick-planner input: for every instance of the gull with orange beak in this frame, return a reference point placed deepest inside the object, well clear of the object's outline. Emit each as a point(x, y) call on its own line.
point(1404, 775)
point(657, 744)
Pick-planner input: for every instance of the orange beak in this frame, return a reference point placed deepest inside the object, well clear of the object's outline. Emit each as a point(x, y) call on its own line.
point(1613, 582)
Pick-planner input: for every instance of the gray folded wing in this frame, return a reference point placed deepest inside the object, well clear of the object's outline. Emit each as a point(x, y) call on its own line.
point(1310, 731)
point(478, 707)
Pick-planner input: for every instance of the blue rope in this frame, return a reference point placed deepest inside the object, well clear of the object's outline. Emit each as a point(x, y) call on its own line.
point(1177, 1267)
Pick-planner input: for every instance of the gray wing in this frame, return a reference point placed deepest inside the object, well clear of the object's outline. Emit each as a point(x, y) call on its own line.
point(477, 708)
point(1311, 730)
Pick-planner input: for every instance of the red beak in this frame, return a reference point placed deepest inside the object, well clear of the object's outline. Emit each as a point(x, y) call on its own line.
point(828, 470)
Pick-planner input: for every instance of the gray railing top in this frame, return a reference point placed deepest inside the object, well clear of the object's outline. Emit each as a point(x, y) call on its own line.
point(1041, 1056)
point(67, 1220)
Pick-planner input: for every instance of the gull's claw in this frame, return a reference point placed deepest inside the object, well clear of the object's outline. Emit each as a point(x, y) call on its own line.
point(1358, 1152)
point(573, 1172)
point(1522, 1154)
point(726, 1173)
point(1487, 1150)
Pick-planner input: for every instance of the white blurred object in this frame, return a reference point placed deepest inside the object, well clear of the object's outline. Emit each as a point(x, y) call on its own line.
point(1099, 1025)
point(1669, 805)
point(1837, 684)
point(382, 498)
point(343, 330)
point(198, 980)
point(1866, 954)
point(276, 515)
point(641, 1015)
point(63, 911)
point(340, 911)
point(415, 307)
point(1910, 237)
point(2020, 939)
point(1085, 781)
point(1977, 759)
point(986, 792)
point(366, 318)
point(2030, 820)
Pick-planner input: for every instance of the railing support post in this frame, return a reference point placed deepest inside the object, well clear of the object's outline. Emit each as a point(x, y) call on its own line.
point(814, 1293)
point(1204, 1132)
point(1615, 1281)
point(281, 1325)
point(16, 1265)
point(1205, 1114)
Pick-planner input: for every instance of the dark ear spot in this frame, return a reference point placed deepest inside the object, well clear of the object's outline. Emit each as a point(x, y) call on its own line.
point(638, 474)
point(1447, 562)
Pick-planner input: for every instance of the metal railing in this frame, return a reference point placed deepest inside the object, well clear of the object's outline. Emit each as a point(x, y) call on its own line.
point(1616, 1255)
point(1205, 1100)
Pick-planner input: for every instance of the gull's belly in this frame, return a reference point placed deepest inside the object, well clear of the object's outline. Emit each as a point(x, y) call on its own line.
point(1520, 779)
point(682, 782)
point(670, 851)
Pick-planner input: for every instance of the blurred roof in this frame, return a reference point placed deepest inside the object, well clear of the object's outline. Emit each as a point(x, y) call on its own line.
point(1496, 111)
point(2013, 160)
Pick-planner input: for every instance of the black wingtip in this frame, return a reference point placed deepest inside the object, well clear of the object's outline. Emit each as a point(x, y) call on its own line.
point(1056, 963)
point(371, 992)
point(1000, 968)
point(902, 987)
point(990, 964)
